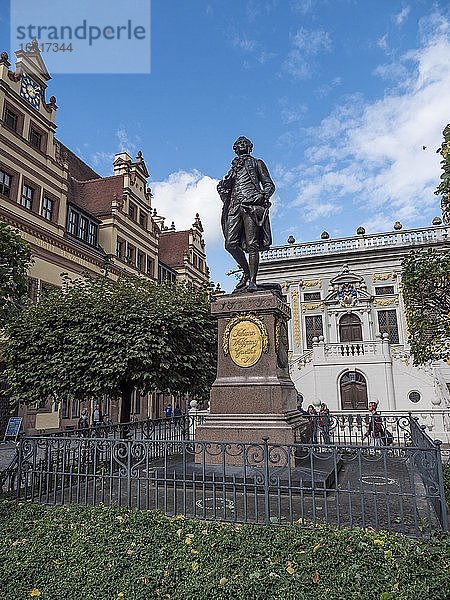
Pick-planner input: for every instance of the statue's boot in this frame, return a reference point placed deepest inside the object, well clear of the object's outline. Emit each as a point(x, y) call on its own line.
point(242, 283)
point(239, 257)
point(253, 264)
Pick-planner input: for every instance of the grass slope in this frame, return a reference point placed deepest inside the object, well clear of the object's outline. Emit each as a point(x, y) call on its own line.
point(104, 553)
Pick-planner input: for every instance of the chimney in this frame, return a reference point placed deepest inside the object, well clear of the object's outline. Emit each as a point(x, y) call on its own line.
point(122, 163)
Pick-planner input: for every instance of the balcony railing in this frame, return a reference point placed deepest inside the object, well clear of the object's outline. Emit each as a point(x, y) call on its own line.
point(352, 349)
point(426, 235)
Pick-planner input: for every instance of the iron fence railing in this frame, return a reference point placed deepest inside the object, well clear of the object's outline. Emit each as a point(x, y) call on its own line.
point(430, 471)
point(351, 480)
point(341, 429)
point(398, 488)
point(353, 429)
point(174, 428)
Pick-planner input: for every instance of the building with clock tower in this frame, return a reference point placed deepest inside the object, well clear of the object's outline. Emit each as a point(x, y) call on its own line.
point(76, 220)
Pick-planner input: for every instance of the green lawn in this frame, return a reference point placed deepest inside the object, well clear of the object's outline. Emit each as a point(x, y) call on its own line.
point(113, 554)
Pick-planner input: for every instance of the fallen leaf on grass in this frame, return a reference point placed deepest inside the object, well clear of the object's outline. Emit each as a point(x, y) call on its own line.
point(315, 577)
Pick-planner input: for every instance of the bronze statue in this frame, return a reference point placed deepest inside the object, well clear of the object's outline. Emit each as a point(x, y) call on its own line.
point(245, 191)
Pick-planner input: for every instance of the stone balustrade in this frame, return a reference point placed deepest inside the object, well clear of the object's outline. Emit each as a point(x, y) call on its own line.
point(410, 237)
point(341, 349)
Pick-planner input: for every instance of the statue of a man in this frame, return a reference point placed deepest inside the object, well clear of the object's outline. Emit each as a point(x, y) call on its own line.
point(245, 191)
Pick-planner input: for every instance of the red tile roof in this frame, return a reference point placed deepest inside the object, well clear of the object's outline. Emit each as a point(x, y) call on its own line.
point(172, 246)
point(77, 168)
point(96, 196)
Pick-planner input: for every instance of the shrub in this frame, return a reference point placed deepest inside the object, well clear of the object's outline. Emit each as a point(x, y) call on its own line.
point(107, 553)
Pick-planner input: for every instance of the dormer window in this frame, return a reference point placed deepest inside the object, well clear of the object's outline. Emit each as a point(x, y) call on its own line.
point(82, 227)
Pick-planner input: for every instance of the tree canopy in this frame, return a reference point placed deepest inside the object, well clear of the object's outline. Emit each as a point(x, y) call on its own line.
point(96, 336)
point(444, 186)
point(15, 258)
point(426, 294)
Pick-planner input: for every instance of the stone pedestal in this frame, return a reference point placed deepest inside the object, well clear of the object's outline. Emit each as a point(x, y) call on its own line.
point(253, 395)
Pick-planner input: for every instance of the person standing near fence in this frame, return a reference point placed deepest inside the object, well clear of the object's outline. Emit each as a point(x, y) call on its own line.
point(325, 423)
point(177, 414)
point(168, 411)
point(83, 422)
point(313, 423)
point(375, 431)
point(97, 416)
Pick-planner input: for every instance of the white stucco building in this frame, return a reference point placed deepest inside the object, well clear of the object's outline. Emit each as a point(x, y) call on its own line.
point(348, 333)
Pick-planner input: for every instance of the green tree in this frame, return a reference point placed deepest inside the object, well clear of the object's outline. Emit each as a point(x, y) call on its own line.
point(444, 186)
point(426, 294)
point(15, 259)
point(96, 336)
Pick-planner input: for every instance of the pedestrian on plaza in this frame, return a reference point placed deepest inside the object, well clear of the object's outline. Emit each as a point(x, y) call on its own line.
point(97, 416)
point(168, 411)
point(300, 405)
point(177, 414)
point(325, 423)
point(83, 422)
point(375, 432)
point(313, 422)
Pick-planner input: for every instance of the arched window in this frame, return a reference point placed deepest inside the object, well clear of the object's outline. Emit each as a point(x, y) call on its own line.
point(353, 391)
point(350, 329)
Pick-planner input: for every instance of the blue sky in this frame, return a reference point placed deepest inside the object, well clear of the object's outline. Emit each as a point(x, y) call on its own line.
point(338, 97)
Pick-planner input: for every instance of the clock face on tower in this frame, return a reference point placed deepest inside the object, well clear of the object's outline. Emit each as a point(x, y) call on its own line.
point(30, 90)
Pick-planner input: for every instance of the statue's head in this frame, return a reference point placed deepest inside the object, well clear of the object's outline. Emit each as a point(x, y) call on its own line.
point(242, 145)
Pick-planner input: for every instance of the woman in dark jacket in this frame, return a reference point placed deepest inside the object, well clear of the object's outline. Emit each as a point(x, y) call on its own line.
point(313, 423)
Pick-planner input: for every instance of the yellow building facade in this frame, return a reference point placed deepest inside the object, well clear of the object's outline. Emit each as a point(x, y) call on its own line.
point(77, 221)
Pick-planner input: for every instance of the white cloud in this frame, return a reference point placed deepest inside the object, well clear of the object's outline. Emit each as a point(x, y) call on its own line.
point(382, 42)
point(306, 44)
point(125, 144)
point(102, 159)
point(302, 6)
point(402, 15)
point(313, 41)
point(371, 153)
point(185, 193)
point(291, 113)
point(243, 43)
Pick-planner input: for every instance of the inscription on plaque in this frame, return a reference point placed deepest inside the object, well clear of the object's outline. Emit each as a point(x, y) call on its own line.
point(245, 344)
point(245, 338)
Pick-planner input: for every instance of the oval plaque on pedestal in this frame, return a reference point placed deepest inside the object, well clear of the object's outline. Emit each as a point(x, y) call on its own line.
point(245, 339)
point(245, 344)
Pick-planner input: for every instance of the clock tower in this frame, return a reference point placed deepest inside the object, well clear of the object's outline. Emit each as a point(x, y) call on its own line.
point(33, 75)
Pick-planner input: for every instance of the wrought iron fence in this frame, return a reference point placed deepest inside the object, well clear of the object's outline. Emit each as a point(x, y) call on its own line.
point(174, 428)
point(398, 488)
point(353, 429)
point(342, 429)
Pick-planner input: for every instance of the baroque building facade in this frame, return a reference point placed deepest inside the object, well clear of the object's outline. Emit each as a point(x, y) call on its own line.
point(348, 333)
point(77, 221)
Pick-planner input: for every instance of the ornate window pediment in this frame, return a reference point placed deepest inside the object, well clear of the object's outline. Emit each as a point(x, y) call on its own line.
point(347, 290)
